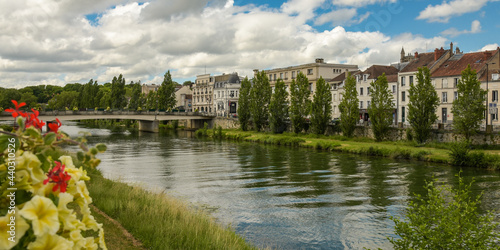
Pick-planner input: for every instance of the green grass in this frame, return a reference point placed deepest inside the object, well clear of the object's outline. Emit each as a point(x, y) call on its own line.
point(159, 221)
point(431, 152)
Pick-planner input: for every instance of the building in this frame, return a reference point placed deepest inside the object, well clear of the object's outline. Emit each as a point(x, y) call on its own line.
point(447, 76)
point(313, 71)
point(146, 88)
point(183, 98)
point(337, 89)
point(407, 76)
point(202, 93)
point(226, 88)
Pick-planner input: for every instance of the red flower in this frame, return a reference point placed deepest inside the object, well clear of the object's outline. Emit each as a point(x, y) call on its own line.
point(32, 120)
point(58, 176)
point(16, 112)
point(55, 127)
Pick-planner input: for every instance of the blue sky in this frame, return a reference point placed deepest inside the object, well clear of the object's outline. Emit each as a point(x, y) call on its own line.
point(56, 42)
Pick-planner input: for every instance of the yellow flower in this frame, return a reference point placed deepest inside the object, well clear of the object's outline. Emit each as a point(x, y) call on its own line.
point(102, 243)
point(49, 241)
point(30, 162)
point(75, 173)
point(20, 228)
point(66, 216)
point(83, 192)
point(43, 215)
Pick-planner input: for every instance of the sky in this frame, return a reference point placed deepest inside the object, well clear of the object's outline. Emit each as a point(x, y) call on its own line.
point(66, 41)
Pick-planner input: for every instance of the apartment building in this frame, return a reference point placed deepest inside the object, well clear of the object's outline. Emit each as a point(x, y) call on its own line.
point(407, 76)
point(337, 90)
point(446, 77)
point(146, 88)
point(226, 88)
point(313, 71)
point(184, 98)
point(202, 93)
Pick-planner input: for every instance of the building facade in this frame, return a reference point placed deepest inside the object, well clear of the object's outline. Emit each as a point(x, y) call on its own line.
point(226, 93)
point(202, 93)
point(183, 98)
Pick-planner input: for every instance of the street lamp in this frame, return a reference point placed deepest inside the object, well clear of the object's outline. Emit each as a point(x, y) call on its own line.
point(487, 113)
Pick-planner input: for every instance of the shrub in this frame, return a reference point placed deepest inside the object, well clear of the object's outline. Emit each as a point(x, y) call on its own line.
point(447, 219)
point(459, 153)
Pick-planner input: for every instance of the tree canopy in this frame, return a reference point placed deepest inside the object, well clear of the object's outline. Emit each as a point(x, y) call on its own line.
point(300, 103)
point(321, 108)
point(349, 107)
point(381, 107)
point(260, 96)
point(278, 108)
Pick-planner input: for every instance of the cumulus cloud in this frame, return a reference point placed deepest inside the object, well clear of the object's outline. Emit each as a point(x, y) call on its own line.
point(360, 3)
point(446, 10)
point(453, 32)
point(52, 42)
point(493, 46)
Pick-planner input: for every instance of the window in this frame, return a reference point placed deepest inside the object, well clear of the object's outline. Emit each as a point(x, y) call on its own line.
point(445, 97)
point(393, 89)
point(445, 83)
point(334, 97)
point(455, 82)
point(368, 90)
point(456, 95)
point(281, 75)
point(311, 87)
point(334, 86)
point(232, 93)
point(286, 75)
point(411, 80)
point(309, 71)
point(403, 96)
point(274, 77)
point(334, 108)
point(270, 77)
point(340, 97)
point(361, 104)
point(402, 81)
point(293, 74)
point(360, 91)
point(402, 114)
point(367, 104)
point(494, 96)
point(433, 82)
point(364, 77)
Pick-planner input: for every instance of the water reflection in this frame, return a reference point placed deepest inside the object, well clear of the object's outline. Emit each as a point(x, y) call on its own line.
point(282, 197)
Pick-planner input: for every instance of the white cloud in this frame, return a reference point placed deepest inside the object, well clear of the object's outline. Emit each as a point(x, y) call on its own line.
point(360, 3)
point(341, 17)
point(143, 41)
point(453, 32)
point(493, 46)
point(446, 10)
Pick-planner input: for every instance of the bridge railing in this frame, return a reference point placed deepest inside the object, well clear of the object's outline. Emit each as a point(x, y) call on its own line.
point(116, 112)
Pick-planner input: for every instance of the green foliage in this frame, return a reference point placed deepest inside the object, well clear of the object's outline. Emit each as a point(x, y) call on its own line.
point(137, 99)
point(118, 100)
point(88, 95)
point(6, 95)
point(447, 219)
point(63, 100)
point(422, 106)
point(468, 110)
point(381, 107)
point(203, 131)
point(321, 108)
point(152, 100)
point(349, 107)
point(166, 93)
point(260, 96)
point(278, 108)
point(244, 104)
point(299, 102)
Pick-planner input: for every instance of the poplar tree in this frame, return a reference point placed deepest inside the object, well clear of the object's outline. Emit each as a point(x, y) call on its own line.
point(422, 106)
point(468, 109)
point(299, 102)
point(278, 108)
point(321, 108)
point(260, 95)
point(381, 107)
point(166, 93)
point(118, 100)
point(136, 100)
point(349, 107)
point(244, 104)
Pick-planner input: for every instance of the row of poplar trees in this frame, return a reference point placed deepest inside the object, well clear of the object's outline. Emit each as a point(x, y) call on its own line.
point(259, 104)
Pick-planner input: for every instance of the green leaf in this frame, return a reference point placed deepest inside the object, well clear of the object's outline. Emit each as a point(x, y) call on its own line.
point(33, 132)
point(101, 147)
point(49, 138)
point(80, 156)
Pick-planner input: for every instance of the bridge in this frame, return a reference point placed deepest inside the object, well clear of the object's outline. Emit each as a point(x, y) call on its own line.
point(148, 120)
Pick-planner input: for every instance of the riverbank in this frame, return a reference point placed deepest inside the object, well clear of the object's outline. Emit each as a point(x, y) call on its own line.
point(159, 221)
point(430, 152)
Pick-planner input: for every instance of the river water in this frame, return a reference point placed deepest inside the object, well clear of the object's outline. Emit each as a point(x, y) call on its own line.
point(280, 197)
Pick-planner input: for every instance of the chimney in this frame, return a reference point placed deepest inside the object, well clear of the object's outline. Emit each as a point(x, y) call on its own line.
point(320, 60)
point(416, 55)
point(451, 47)
point(457, 51)
point(255, 71)
point(438, 53)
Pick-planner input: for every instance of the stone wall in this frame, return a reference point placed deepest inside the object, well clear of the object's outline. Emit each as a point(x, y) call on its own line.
point(225, 123)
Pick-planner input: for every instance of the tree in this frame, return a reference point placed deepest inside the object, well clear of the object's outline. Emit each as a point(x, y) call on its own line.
point(278, 108)
point(422, 106)
point(152, 100)
point(349, 107)
point(321, 108)
point(468, 109)
point(29, 98)
point(136, 100)
point(63, 100)
point(166, 93)
point(244, 104)
point(381, 107)
point(299, 102)
point(118, 100)
point(260, 95)
point(447, 219)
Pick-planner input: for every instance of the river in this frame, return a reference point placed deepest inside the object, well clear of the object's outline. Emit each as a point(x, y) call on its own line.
point(280, 197)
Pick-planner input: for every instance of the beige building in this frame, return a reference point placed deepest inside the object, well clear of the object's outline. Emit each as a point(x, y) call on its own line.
point(146, 88)
point(447, 76)
point(202, 93)
point(313, 71)
point(183, 97)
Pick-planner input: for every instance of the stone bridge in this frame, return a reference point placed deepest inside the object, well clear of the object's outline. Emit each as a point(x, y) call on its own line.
point(148, 120)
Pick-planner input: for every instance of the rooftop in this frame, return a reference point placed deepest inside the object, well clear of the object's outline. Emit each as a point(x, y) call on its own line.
point(457, 63)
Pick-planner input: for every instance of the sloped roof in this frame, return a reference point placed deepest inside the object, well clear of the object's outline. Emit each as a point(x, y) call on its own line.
point(343, 76)
point(375, 71)
point(422, 60)
point(392, 78)
point(457, 63)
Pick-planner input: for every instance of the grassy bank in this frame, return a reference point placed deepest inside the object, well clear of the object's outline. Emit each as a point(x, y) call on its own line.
point(159, 221)
point(430, 152)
